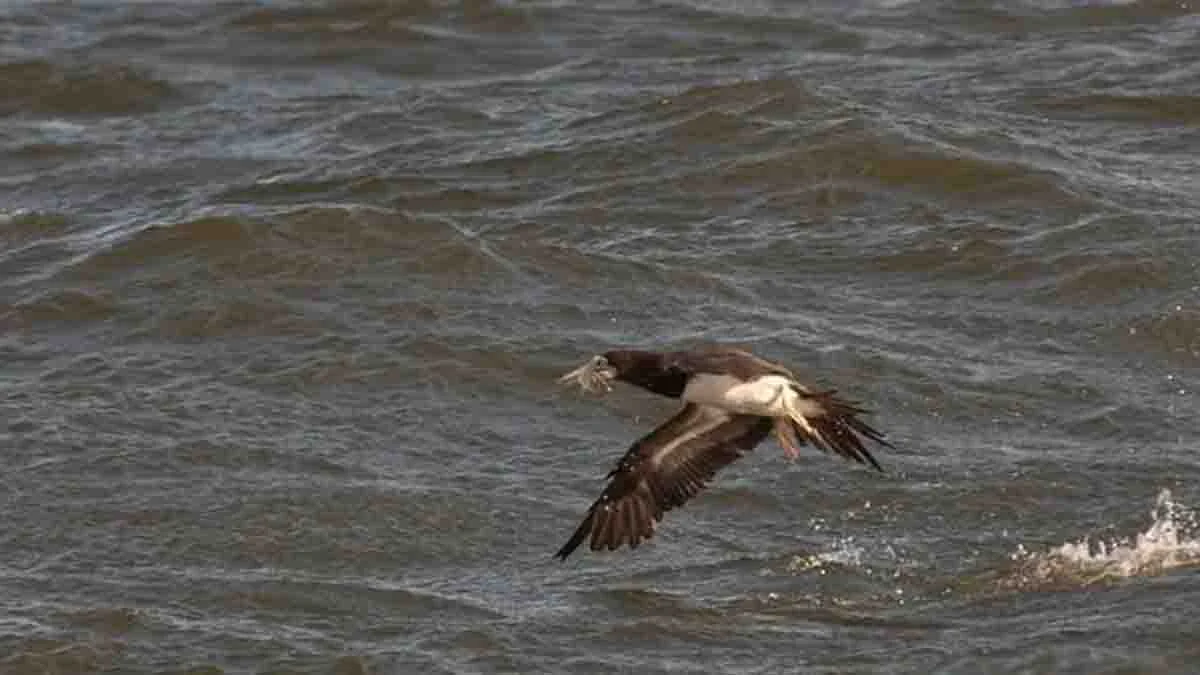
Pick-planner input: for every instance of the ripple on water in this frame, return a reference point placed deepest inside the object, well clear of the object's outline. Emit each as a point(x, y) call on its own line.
point(44, 655)
point(98, 88)
point(1162, 108)
point(1173, 333)
point(49, 307)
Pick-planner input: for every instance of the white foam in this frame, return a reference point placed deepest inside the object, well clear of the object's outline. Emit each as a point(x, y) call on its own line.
point(845, 553)
point(1172, 540)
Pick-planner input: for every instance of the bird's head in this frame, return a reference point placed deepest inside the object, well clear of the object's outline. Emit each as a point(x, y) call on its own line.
point(596, 374)
point(599, 371)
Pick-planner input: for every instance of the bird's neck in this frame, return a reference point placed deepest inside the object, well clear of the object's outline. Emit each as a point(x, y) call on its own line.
point(651, 371)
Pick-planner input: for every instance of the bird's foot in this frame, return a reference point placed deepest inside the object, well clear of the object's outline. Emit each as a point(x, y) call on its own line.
point(786, 435)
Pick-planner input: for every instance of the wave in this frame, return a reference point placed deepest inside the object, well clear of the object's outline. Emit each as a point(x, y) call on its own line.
point(334, 18)
point(1172, 540)
point(69, 305)
point(1172, 333)
point(51, 88)
point(1163, 108)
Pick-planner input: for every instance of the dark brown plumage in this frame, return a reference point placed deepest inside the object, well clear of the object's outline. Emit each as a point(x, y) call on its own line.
point(663, 470)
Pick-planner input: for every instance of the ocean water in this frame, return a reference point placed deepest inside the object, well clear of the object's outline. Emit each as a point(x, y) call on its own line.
point(285, 289)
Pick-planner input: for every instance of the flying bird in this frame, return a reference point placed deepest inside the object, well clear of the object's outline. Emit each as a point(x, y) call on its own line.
point(732, 400)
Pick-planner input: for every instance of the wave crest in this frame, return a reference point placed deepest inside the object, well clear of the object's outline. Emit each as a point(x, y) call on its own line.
point(1171, 540)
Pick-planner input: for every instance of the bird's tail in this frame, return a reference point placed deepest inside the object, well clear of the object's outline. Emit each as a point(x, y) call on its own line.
point(832, 424)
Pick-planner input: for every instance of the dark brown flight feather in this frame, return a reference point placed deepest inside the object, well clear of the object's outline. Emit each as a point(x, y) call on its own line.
point(835, 429)
point(663, 470)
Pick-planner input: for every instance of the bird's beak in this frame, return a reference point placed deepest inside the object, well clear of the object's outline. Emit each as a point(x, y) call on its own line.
point(595, 375)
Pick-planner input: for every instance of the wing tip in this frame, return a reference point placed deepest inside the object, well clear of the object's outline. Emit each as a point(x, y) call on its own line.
point(628, 523)
point(577, 537)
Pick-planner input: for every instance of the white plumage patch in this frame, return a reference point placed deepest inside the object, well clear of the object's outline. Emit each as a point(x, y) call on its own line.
point(767, 396)
point(708, 418)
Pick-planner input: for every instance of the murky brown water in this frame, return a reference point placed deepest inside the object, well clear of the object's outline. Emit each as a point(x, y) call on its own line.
point(284, 289)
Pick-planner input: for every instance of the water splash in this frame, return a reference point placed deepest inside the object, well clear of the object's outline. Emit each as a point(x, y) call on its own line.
point(1172, 540)
point(845, 553)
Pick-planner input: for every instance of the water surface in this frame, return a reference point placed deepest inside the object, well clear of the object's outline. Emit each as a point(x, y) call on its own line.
point(285, 288)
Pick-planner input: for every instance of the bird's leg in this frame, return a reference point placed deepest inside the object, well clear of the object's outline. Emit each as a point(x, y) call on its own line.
point(786, 435)
point(811, 433)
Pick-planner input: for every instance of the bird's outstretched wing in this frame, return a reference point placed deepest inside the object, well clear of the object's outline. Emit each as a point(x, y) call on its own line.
point(663, 470)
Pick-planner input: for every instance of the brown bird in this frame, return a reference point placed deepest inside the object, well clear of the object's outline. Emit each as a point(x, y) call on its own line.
point(732, 401)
